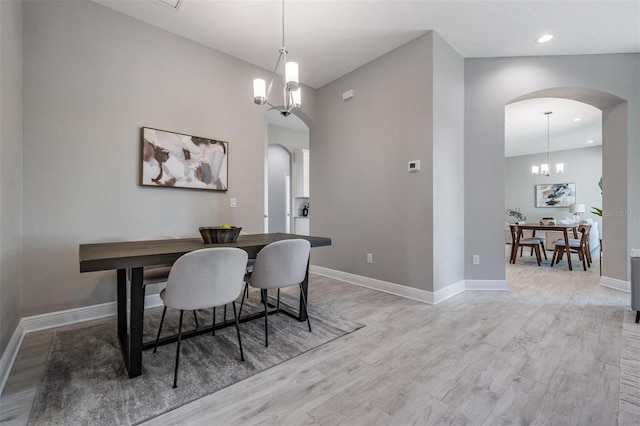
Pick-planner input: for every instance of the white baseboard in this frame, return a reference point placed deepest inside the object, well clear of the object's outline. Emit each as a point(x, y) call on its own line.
point(615, 284)
point(487, 285)
point(448, 292)
point(86, 313)
point(424, 296)
point(10, 353)
point(374, 284)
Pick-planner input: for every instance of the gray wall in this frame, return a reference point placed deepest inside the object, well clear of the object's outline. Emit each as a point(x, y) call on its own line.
point(363, 196)
point(492, 83)
point(92, 78)
point(448, 164)
point(583, 167)
point(11, 258)
point(408, 106)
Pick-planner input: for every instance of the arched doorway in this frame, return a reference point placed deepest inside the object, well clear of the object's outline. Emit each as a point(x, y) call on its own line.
point(615, 218)
point(565, 137)
point(287, 138)
point(279, 188)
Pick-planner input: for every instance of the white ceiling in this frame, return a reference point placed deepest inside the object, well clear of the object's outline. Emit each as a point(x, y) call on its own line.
point(331, 38)
point(526, 126)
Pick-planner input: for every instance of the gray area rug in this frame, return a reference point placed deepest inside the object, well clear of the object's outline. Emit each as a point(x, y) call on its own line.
point(629, 408)
point(86, 382)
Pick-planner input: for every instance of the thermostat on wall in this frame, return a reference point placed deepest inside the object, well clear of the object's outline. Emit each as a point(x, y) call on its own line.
point(414, 166)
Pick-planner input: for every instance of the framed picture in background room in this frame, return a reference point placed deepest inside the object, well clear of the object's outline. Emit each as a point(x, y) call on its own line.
point(176, 160)
point(555, 195)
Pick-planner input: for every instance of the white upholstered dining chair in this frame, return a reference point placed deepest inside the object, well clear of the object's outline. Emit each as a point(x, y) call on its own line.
point(279, 264)
point(156, 274)
point(203, 279)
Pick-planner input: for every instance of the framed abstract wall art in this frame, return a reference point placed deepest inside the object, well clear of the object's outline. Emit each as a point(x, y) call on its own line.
point(555, 195)
point(175, 160)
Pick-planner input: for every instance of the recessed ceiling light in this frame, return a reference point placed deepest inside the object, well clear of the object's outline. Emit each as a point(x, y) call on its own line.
point(591, 141)
point(544, 38)
point(577, 119)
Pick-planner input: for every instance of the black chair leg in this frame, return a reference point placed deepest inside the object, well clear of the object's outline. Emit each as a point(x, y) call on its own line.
point(164, 311)
point(214, 320)
point(235, 316)
point(175, 374)
point(278, 302)
point(637, 317)
point(195, 317)
point(245, 292)
point(266, 315)
point(225, 313)
point(304, 302)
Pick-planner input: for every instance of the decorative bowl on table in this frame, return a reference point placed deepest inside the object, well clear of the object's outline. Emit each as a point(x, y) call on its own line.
point(219, 235)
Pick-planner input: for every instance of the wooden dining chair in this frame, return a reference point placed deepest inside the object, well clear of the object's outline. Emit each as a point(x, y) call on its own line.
point(540, 235)
point(533, 243)
point(202, 279)
point(576, 245)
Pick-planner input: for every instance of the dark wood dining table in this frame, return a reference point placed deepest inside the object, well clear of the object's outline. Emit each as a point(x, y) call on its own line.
point(537, 227)
point(135, 255)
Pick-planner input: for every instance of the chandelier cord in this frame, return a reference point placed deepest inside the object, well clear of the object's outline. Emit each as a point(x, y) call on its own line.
point(283, 53)
point(548, 143)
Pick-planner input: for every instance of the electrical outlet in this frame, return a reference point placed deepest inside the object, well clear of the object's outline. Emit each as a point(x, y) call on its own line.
point(369, 258)
point(476, 259)
point(232, 202)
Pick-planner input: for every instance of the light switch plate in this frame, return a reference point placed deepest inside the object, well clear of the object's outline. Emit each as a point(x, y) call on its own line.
point(413, 166)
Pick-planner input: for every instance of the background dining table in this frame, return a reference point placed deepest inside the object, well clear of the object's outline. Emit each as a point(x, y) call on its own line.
point(538, 227)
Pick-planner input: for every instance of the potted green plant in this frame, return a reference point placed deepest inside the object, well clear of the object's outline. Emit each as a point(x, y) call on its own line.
point(517, 215)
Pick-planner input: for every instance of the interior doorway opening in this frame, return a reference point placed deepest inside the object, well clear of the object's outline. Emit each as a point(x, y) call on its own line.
point(279, 188)
point(614, 172)
point(287, 202)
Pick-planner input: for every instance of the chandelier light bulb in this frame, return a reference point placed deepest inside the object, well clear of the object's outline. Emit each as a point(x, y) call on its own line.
point(291, 75)
point(559, 168)
point(535, 170)
point(544, 169)
point(297, 98)
point(259, 91)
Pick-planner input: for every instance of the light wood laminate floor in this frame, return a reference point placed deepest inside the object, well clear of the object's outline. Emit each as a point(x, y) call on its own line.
point(545, 352)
